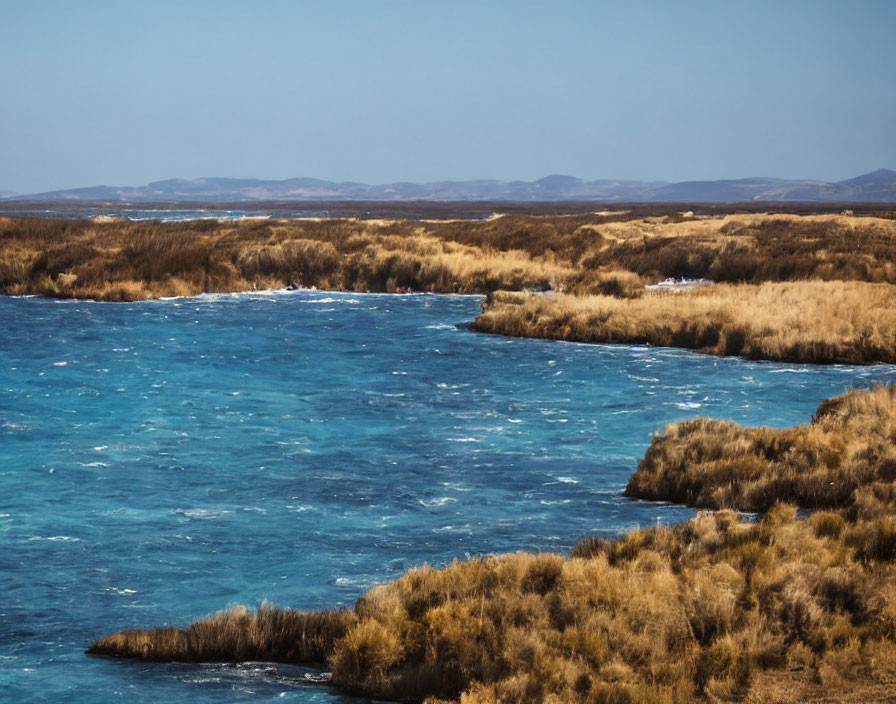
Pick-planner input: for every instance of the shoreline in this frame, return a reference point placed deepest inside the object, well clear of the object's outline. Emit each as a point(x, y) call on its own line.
point(608, 264)
point(271, 292)
point(717, 608)
point(532, 316)
point(802, 322)
point(500, 317)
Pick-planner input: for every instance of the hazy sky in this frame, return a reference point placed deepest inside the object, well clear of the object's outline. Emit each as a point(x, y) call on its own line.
point(125, 93)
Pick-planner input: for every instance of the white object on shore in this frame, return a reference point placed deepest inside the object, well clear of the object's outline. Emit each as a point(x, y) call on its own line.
point(677, 285)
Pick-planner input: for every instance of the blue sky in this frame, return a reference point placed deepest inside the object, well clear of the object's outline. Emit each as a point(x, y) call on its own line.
point(125, 93)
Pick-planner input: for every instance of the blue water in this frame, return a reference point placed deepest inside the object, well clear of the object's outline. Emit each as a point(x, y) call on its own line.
point(139, 214)
point(163, 460)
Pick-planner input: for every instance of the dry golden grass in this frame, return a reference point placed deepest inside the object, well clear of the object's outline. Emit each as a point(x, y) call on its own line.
point(717, 609)
point(752, 247)
point(812, 321)
point(269, 634)
point(131, 261)
point(121, 260)
point(848, 448)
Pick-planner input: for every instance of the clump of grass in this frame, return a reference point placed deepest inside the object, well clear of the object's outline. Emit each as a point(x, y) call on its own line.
point(269, 634)
point(848, 446)
point(615, 283)
point(812, 321)
point(827, 524)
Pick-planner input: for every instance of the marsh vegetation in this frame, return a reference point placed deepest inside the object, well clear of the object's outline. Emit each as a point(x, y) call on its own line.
point(806, 321)
point(836, 306)
point(117, 259)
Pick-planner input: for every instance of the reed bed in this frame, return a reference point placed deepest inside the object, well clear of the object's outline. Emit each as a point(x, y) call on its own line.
point(810, 321)
point(717, 609)
point(129, 261)
point(112, 259)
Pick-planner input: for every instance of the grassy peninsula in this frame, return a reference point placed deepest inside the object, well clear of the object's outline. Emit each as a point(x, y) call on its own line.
point(846, 322)
point(785, 609)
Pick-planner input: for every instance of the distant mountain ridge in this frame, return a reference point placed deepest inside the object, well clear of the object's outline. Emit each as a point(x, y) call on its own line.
point(875, 187)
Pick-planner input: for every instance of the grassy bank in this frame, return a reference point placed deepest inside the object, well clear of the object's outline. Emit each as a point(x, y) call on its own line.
point(785, 609)
point(122, 260)
point(806, 321)
point(844, 459)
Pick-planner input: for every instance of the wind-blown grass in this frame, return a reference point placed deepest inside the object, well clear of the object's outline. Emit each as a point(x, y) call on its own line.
point(844, 458)
point(810, 321)
point(269, 634)
point(132, 261)
point(717, 609)
point(122, 260)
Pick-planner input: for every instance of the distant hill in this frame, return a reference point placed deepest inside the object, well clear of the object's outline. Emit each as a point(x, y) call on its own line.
point(876, 187)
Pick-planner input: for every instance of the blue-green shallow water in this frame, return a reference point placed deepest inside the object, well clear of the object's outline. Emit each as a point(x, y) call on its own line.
point(163, 460)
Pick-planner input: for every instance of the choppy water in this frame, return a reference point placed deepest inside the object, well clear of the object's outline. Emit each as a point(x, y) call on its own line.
point(294, 210)
point(162, 460)
point(138, 213)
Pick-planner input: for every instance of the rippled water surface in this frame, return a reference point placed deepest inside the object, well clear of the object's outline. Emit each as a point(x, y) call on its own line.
point(163, 460)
